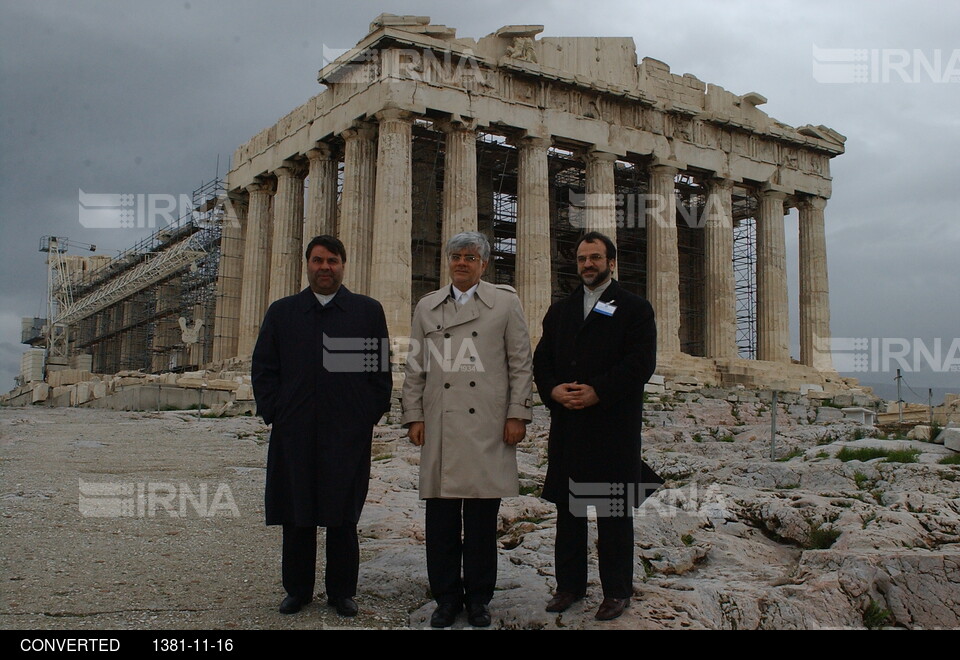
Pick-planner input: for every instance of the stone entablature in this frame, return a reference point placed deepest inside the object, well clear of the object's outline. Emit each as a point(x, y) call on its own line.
point(582, 91)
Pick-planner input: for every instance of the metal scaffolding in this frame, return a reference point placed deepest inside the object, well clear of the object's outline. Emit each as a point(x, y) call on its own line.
point(497, 203)
point(745, 208)
point(691, 207)
point(152, 307)
point(497, 181)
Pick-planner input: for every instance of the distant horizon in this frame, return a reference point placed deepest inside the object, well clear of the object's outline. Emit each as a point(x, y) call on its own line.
point(888, 391)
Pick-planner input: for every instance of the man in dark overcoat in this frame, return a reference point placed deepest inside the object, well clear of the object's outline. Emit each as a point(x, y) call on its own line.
point(321, 378)
point(597, 351)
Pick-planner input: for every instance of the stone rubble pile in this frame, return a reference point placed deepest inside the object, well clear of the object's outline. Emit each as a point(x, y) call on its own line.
point(76, 387)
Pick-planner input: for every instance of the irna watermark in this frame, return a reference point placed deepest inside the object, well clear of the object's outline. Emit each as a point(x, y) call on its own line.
point(885, 65)
point(365, 354)
point(132, 210)
point(638, 210)
point(617, 500)
point(887, 354)
point(365, 66)
point(151, 499)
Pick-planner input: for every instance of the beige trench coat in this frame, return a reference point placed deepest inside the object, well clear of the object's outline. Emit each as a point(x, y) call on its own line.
point(470, 368)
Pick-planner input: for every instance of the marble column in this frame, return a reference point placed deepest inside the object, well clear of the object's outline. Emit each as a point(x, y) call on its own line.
point(390, 268)
point(600, 213)
point(720, 314)
point(773, 312)
point(286, 256)
point(663, 263)
point(321, 198)
point(229, 279)
point(356, 204)
point(256, 266)
point(814, 288)
point(459, 185)
point(533, 272)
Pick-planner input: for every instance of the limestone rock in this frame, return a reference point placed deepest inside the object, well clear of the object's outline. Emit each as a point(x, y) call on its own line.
point(950, 438)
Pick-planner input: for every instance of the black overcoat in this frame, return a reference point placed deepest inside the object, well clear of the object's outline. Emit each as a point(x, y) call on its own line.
point(323, 399)
point(616, 355)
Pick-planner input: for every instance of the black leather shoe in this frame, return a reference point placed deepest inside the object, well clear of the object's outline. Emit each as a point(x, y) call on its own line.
point(561, 601)
point(445, 615)
point(478, 615)
point(345, 606)
point(293, 604)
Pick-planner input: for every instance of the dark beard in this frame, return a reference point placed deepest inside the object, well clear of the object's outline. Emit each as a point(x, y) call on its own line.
point(601, 277)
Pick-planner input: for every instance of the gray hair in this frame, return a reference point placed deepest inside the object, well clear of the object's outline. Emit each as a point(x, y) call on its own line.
point(470, 239)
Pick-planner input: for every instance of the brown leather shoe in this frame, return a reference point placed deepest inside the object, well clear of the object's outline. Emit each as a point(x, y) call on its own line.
point(611, 608)
point(561, 601)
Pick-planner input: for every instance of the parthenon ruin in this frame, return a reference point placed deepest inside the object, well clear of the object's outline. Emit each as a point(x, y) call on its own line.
point(420, 134)
point(531, 140)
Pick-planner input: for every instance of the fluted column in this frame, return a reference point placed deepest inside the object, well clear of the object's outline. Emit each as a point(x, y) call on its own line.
point(229, 279)
point(600, 213)
point(356, 204)
point(773, 311)
point(663, 265)
point(285, 253)
point(720, 301)
point(459, 184)
point(532, 275)
point(390, 270)
point(321, 198)
point(256, 266)
point(814, 288)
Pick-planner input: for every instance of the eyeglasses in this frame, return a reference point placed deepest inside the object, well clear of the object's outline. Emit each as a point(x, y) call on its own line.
point(595, 258)
point(469, 258)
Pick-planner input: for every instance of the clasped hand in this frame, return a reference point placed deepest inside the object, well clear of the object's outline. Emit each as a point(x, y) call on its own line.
point(575, 396)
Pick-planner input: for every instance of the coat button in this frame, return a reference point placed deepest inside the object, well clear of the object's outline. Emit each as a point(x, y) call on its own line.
point(472, 384)
point(473, 358)
point(446, 386)
point(472, 411)
point(474, 333)
point(438, 327)
point(446, 335)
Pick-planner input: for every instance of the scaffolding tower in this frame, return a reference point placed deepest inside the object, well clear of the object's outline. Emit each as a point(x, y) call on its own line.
point(152, 307)
point(745, 208)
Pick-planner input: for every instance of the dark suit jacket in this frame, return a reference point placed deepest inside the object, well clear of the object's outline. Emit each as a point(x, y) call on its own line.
point(323, 398)
point(614, 354)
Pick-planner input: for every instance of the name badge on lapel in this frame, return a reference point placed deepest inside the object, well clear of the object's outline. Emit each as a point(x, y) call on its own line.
point(605, 308)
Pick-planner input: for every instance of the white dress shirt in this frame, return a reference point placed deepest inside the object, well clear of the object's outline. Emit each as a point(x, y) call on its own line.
point(590, 298)
point(463, 297)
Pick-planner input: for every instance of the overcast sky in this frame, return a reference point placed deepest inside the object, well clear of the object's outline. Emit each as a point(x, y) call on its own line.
point(135, 96)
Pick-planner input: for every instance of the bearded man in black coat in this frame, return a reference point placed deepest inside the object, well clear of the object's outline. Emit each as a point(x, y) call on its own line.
point(597, 351)
point(321, 377)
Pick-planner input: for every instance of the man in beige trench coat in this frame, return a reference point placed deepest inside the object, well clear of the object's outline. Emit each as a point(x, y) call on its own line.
point(466, 401)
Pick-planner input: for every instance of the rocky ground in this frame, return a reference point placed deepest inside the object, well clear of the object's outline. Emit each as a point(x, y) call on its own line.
point(117, 520)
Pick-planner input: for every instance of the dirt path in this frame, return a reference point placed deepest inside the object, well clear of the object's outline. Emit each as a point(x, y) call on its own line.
point(144, 569)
